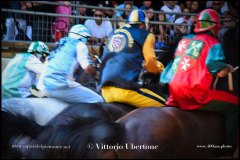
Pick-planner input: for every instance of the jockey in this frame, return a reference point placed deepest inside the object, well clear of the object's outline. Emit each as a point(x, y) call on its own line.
point(198, 60)
point(23, 70)
point(122, 61)
point(58, 79)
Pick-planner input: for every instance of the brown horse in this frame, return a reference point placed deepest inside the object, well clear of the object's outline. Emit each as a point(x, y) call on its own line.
point(168, 132)
point(154, 132)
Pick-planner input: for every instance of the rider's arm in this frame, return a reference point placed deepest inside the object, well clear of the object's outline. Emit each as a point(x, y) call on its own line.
point(215, 61)
point(35, 65)
point(84, 60)
point(224, 72)
point(151, 63)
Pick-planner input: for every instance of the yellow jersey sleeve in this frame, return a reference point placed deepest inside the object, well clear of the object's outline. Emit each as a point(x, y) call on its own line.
point(151, 64)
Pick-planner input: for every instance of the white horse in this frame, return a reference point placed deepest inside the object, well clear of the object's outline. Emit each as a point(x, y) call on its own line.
point(42, 110)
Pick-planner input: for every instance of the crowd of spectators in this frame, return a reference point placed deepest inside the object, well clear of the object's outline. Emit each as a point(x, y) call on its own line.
point(43, 28)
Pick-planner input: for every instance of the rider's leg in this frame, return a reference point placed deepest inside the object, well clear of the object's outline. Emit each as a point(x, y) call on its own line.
point(75, 95)
point(225, 104)
point(138, 98)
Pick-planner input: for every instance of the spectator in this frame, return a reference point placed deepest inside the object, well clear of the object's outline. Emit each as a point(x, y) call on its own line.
point(228, 23)
point(171, 6)
point(29, 7)
point(61, 24)
point(179, 30)
point(224, 7)
point(186, 19)
point(150, 14)
point(99, 29)
point(128, 8)
point(220, 6)
point(208, 4)
point(216, 5)
point(185, 4)
point(41, 23)
point(194, 7)
point(82, 12)
point(88, 11)
point(234, 8)
point(201, 6)
point(162, 18)
point(163, 31)
point(146, 5)
point(121, 6)
point(151, 17)
point(114, 4)
point(108, 12)
point(11, 18)
point(23, 70)
point(4, 4)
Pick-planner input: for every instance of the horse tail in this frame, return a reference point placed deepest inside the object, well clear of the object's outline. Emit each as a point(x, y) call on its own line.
point(13, 127)
point(82, 138)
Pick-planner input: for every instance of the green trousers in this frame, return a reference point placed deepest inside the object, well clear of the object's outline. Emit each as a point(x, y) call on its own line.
point(230, 112)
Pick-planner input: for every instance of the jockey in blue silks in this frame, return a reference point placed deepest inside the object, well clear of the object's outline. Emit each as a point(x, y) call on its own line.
point(128, 50)
point(58, 79)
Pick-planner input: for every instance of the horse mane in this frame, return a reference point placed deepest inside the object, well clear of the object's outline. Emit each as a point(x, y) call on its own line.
point(77, 134)
point(13, 127)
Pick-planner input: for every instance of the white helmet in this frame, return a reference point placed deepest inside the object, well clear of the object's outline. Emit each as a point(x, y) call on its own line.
point(80, 32)
point(38, 47)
